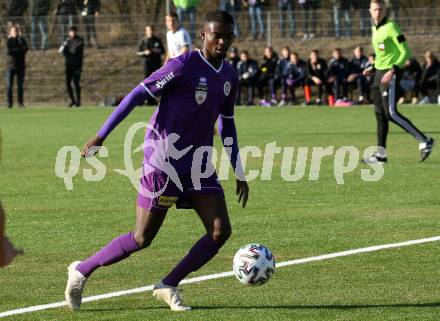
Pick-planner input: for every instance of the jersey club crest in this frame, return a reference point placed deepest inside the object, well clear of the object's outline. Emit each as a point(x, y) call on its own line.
point(201, 91)
point(227, 88)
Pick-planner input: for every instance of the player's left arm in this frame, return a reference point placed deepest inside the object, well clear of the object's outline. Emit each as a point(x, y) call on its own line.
point(404, 53)
point(228, 133)
point(399, 40)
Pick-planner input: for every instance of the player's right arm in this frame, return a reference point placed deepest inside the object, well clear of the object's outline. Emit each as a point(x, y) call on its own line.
point(153, 86)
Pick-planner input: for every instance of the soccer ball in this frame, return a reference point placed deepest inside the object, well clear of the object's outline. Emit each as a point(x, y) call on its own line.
point(253, 264)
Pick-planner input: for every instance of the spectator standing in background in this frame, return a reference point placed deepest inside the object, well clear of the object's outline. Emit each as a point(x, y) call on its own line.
point(341, 9)
point(339, 69)
point(234, 8)
point(308, 13)
point(297, 74)
point(66, 12)
point(285, 8)
point(90, 11)
point(358, 64)
point(233, 58)
point(317, 76)
point(255, 8)
point(178, 39)
point(151, 49)
point(40, 10)
point(73, 51)
point(14, 12)
point(268, 69)
point(430, 82)
point(187, 8)
point(248, 77)
point(16, 48)
point(362, 6)
point(410, 83)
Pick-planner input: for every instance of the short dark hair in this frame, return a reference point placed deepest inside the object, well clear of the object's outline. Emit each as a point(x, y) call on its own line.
point(220, 16)
point(173, 15)
point(73, 28)
point(381, 2)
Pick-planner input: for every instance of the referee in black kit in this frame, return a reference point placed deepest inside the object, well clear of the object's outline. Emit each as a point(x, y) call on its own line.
point(391, 52)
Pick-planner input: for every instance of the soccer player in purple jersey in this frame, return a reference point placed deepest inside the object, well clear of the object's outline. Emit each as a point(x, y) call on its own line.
point(195, 89)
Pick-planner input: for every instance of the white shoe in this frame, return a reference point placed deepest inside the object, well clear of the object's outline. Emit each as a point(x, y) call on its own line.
point(424, 100)
point(374, 159)
point(282, 103)
point(170, 295)
point(75, 286)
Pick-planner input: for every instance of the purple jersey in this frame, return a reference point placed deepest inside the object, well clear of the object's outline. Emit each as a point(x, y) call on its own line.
point(192, 96)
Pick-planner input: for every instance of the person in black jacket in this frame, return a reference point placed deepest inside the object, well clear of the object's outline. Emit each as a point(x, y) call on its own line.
point(430, 82)
point(233, 58)
point(358, 64)
point(296, 77)
point(40, 10)
point(90, 10)
point(268, 70)
point(151, 49)
point(317, 76)
point(410, 82)
point(339, 69)
point(67, 11)
point(16, 48)
point(248, 77)
point(73, 51)
point(283, 72)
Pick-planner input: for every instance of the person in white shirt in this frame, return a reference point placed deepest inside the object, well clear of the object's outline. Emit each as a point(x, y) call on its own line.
point(178, 39)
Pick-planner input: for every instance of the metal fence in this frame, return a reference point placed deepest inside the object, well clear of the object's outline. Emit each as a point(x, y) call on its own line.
point(113, 31)
point(115, 69)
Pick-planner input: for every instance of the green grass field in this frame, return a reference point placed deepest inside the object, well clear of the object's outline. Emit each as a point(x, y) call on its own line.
point(294, 219)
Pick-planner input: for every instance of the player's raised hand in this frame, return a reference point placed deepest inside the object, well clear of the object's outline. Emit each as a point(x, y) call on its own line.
point(243, 192)
point(8, 252)
point(92, 147)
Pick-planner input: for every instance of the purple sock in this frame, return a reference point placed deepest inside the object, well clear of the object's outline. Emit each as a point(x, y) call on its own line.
point(115, 251)
point(200, 254)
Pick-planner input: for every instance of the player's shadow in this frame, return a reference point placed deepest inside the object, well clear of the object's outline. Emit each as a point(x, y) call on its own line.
point(324, 306)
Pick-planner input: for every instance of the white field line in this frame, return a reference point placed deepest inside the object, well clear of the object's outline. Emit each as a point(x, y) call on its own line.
point(223, 275)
